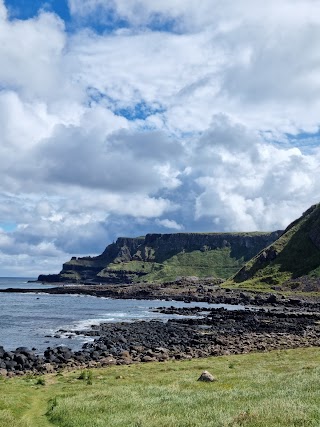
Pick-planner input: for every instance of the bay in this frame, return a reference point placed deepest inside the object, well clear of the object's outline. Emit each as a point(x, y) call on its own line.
point(32, 320)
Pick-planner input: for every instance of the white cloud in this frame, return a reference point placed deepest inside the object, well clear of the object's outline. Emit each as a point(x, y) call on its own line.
point(169, 223)
point(191, 15)
point(3, 11)
point(25, 265)
point(146, 67)
point(33, 125)
point(32, 57)
point(257, 63)
point(137, 206)
point(5, 239)
point(247, 184)
point(142, 12)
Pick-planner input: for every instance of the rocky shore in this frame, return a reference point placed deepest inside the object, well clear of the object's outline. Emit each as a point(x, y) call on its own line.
point(180, 290)
point(208, 332)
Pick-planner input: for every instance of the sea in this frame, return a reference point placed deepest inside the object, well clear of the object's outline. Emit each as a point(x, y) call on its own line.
point(34, 320)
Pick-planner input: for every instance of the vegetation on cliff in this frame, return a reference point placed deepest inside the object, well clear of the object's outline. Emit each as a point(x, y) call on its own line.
point(292, 262)
point(165, 257)
point(261, 261)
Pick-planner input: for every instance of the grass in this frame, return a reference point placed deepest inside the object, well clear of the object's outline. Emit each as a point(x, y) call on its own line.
point(212, 263)
point(163, 258)
point(276, 389)
point(296, 256)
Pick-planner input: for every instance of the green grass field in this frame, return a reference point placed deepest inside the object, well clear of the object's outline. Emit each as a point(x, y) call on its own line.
point(276, 389)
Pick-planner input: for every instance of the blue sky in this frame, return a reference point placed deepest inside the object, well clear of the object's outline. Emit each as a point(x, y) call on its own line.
point(122, 118)
point(104, 22)
point(8, 226)
point(25, 9)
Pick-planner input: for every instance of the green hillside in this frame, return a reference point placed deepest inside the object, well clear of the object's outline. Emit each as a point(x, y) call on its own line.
point(292, 261)
point(166, 257)
point(216, 263)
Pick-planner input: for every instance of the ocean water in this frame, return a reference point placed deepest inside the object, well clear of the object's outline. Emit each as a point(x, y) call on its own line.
point(31, 320)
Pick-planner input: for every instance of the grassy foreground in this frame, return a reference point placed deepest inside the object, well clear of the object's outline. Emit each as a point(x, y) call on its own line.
point(280, 388)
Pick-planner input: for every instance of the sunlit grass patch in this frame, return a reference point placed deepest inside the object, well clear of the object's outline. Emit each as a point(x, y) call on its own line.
point(276, 389)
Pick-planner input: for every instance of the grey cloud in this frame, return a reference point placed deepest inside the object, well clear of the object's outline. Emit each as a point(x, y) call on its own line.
point(151, 146)
point(123, 162)
point(282, 63)
point(223, 132)
point(87, 239)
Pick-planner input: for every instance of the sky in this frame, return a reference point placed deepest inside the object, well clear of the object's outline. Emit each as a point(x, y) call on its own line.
point(121, 118)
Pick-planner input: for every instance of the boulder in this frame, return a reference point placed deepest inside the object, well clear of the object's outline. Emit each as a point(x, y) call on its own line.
point(206, 377)
point(106, 361)
point(148, 359)
point(3, 372)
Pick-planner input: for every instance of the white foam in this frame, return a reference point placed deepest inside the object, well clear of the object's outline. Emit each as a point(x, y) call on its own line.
point(111, 317)
point(87, 323)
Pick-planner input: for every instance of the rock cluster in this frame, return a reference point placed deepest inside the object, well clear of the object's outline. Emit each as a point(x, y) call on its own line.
point(181, 290)
point(211, 333)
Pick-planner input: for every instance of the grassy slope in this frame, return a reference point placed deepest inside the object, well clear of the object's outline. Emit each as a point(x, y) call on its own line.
point(276, 389)
point(214, 263)
point(296, 256)
point(163, 262)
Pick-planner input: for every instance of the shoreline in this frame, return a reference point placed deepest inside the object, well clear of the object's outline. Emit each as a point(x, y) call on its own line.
point(276, 322)
point(177, 292)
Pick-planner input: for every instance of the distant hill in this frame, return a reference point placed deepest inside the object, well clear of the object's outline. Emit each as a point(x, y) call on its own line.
point(292, 262)
point(165, 257)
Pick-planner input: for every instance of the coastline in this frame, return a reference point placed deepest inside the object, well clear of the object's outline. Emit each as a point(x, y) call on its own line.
point(178, 292)
point(275, 322)
point(144, 292)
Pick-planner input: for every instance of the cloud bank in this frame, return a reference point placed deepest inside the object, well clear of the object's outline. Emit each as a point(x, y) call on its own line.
point(154, 117)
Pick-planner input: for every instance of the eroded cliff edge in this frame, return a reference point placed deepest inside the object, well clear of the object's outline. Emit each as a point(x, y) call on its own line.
point(165, 257)
point(292, 262)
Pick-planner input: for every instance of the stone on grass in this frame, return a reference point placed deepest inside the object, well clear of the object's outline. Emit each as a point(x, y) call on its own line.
point(3, 372)
point(206, 376)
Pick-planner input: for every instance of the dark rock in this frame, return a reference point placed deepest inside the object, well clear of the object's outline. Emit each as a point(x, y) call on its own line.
point(21, 359)
point(271, 299)
point(10, 365)
point(8, 355)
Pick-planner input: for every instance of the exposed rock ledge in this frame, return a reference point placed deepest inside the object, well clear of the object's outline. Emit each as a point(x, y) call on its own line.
point(151, 258)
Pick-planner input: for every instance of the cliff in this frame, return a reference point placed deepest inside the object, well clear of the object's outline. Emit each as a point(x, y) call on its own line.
point(292, 262)
point(164, 257)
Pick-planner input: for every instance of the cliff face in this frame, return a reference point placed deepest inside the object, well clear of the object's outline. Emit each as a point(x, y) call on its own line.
point(164, 257)
point(160, 247)
point(292, 261)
